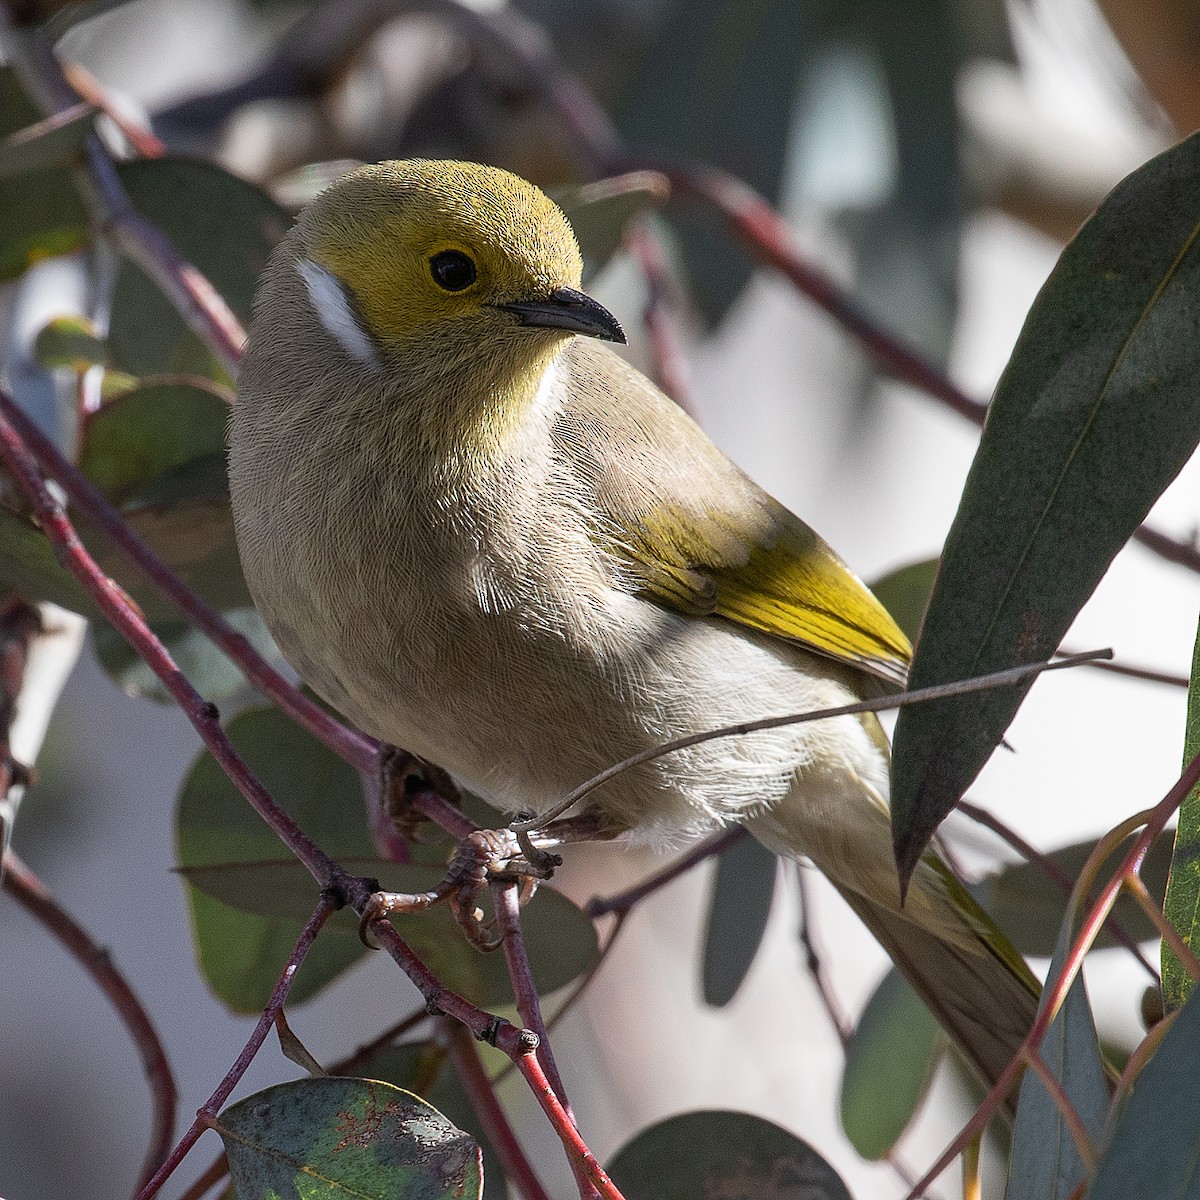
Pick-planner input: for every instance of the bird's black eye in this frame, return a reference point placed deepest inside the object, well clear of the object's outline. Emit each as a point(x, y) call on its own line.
point(452, 270)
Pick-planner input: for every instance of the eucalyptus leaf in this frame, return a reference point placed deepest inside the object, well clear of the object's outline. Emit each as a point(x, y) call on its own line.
point(423, 1067)
point(43, 213)
point(722, 1154)
point(72, 343)
point(29, 567)
point(332, 1138)
point(1029, 906)
point(890, 1061)
point(222, 225)
point(904, 592)
point(152, 429)
point(1182, 903)
point(1154, 1150)
point(1096, 412)
point(739, 907)
point(1045, 1162)
point(208, 669)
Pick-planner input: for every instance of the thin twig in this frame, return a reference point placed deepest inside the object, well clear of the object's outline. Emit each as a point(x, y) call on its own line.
point(659, 315)
point(482, 1094)
point(996, 679)
point(621, 902)
point(1136, 887)
point(1154, 822)
point(842, 1025)
point(212, 1106)
point(33, 895)
point(505, 899)
point(531, 1068)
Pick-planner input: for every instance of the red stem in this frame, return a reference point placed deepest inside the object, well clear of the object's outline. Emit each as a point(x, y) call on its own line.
point(508, 919)
point(1051, 870)
point(1052, 998)
point(212, 1105)
point(355, 747)
point(535, 1077)
point(482, 1093)
point(659, 317)
point(29, 891)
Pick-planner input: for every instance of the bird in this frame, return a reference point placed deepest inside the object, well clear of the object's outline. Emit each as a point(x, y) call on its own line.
point(480, 534)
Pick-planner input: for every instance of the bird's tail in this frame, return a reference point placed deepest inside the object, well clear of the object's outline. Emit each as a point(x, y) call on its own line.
point(980, 990)
point(954, 955)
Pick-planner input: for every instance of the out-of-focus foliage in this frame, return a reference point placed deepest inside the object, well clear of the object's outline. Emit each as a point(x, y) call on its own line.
point(1094, 415)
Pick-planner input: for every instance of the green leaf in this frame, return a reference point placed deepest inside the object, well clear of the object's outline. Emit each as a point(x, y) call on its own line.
point(50, 142)
point(738, 910)
point(43, 214)
point(1029, 906)
point(722, 1154)
point(208, 670)
point(71, 343)
point(241, 954)
point(1045, 1164)
point(1182, 904)
point(152, 429)
point(1094, 415)
point(718, 86)
point(600, 211)
point(262, 897)
point(889, 1065)
point(1154, 1150)
point(333, 1139)
point(904, 592)
point(28, 567)
point(421, 1067)
point(223, 225)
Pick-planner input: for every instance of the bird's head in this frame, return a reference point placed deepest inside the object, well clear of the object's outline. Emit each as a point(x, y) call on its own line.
point(425, 261)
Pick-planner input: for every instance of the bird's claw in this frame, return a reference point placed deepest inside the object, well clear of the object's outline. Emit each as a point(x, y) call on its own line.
point(483, 857)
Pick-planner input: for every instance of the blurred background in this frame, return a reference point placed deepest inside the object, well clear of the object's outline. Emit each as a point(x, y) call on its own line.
point(933, 157)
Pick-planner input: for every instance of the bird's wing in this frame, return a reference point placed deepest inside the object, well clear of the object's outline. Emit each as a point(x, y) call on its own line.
point(743, 556)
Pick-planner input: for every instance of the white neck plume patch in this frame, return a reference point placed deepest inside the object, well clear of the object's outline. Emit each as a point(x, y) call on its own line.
point(329, 301)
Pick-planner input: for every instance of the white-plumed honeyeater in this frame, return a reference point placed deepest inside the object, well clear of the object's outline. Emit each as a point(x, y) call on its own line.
point(482, 536)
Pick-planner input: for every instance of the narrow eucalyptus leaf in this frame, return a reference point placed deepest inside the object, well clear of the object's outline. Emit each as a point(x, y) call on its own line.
point(738, 911)
point(1182, 903)
point(1154, 1150)
point(890, 1062)
point(1045, 1162)
point(1096, 412)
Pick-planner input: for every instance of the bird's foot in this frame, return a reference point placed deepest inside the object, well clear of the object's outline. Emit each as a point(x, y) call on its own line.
point(491, 856)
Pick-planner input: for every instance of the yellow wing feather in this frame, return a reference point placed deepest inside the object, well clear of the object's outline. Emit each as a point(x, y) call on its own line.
point(704, 538)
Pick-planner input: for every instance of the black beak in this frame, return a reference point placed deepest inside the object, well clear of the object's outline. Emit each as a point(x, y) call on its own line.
point(568, 309)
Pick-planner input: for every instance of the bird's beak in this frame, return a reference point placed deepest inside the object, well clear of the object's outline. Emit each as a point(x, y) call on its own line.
point(568, 309)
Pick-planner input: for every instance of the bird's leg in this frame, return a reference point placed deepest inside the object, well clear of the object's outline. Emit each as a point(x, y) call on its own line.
point(491, 856)
point(403, 776)
point(505, 855)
